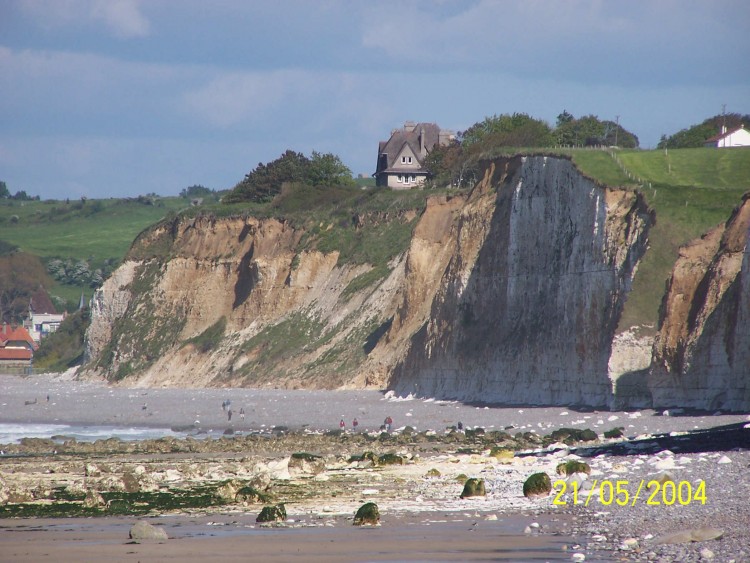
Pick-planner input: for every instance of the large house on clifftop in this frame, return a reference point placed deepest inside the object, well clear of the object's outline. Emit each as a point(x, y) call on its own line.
point(401, 159)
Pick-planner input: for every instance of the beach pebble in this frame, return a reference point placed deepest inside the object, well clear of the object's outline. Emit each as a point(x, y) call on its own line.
point(629, 544)
point(724, 459)
point(707, 554)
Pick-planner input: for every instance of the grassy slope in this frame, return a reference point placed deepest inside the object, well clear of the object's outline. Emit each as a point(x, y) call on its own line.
point(53, 229)
point(692, 190)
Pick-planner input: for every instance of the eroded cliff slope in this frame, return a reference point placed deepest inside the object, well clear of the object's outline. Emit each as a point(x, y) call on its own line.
point(509, 293)
point(702, 352)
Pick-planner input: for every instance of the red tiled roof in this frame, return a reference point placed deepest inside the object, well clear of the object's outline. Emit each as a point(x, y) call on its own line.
point(15, 354)
point(18, 333)
point(720, 136)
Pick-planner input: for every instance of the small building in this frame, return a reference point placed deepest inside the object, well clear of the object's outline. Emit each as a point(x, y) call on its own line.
point(740, 137)
point(401, 159)
point(16, 349)
point(43, 318)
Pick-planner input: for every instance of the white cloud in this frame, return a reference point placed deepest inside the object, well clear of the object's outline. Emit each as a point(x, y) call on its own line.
point(123, 18)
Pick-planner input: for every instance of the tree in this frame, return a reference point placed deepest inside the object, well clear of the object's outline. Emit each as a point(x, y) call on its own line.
point(449, 165)
point(516, 130)
point(265, 181)
point(196, 191)
point(328, 170)
point(4, 193)
point(589, 130)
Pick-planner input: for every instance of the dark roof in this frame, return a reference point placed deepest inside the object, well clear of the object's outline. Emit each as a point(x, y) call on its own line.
point(411, 137)
point(41, 303)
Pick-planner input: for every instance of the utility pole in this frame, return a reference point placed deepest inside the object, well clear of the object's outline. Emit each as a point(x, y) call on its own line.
point(617, 127)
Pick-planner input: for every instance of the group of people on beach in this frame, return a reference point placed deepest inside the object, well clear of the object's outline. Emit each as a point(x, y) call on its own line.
point(385, 427)
point(226, 406)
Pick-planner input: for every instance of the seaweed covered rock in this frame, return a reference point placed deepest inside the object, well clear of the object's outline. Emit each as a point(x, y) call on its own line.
point(272, 513)
point(390, 459)
point(572, 435)
point(502, 454)
point(473, 488)
point(537, 485)
point(617, 432)
point(251, 495)
point(573, 466)
point(367, 515)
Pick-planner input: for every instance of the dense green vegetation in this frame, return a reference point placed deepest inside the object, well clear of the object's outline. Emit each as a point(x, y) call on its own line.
point(458, 162)
point(79, 242)
point(64, 348)
point(696, 135)
point(265, 181)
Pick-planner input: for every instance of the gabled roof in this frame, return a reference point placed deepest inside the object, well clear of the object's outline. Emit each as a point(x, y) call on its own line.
point(17, 334)
point(41, 303)
point(719, 136)
point(421, 133)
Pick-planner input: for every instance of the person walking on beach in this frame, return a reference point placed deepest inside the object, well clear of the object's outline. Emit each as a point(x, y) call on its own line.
point(388, 423)
point(224, 406)
point(229, 414)
point(342, 424)
point(355, 423)
point(242, 413)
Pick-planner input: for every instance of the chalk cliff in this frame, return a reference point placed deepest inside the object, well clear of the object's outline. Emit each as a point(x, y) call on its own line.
point(530, 295)
point(509, 293)
point(701, 354)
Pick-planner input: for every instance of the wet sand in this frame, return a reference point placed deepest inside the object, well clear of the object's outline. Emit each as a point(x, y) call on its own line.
point(237, 538)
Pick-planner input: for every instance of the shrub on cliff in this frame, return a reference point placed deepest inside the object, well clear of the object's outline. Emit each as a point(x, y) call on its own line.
point(265, 181)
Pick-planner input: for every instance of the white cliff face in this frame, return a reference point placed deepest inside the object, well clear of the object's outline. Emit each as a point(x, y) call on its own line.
point(529, 317)
point(108, 304)
point(702, 351)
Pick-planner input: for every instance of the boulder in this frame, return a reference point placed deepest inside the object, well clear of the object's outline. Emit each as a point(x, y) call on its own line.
point(305, 464)
point(367, 515)
point(537, 485)
point(473, 488)
point(143, 531)
point(272, 513)
point(573, 466)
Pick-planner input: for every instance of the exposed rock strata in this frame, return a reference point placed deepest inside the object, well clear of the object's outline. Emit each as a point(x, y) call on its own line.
point(530, 297)
point(511, 293)
point(702, 352)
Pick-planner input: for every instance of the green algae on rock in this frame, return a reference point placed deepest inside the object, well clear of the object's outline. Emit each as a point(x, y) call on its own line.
point(536, 485)
point(367, 515)
point(473, 488)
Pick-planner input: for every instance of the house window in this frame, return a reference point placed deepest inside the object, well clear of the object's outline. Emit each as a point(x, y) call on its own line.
point(405, 160)
point(401, 178)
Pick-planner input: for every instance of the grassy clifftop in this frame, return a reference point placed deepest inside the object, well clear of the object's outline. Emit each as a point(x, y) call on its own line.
point(691, 190)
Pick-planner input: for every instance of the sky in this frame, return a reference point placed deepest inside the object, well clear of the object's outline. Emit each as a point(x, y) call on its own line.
point(118, 98)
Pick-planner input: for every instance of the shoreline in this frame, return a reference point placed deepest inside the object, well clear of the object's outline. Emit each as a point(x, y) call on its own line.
point(407, 495)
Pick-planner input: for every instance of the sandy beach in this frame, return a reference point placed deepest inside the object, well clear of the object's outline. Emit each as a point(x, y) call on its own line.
point(422, 518)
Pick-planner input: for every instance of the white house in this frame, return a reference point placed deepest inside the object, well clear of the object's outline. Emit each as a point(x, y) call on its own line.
point(740, 137)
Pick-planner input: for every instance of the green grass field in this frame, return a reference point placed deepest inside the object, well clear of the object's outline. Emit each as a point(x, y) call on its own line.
point(691, 190)
point(96, 231)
